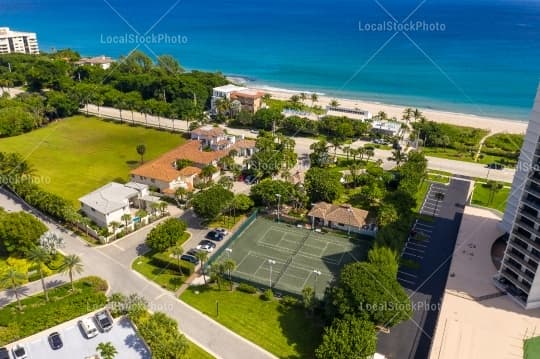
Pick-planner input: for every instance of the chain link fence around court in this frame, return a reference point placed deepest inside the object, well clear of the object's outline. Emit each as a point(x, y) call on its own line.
point(288, 258)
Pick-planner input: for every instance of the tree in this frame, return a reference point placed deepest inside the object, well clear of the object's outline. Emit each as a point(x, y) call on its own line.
point(179, 194)
point(141, 150)
point(207, 172)
point(334, 103)
point(169, 65)
point(216, 271)
point(226, 182)
point(267, 191)
point(407, 114)
point(320, 156)
point(177, 252)
point(308, 298)
point(210, 203)
point(387, 214)
point(229, 265)
point(493, 187)
point(348, 338)
point(166, 234)
point(314, 98)
point(384, 258)
point(323, 185)
point(106, 350)
point(398, 156)
point(203, 257)
point(241, 203)
point(72, 264)
point(365, 291)
point(19, 232)
point(114, 226)
point(40, 257)
point(126, 217)
point(161, 334)
point(13, 279)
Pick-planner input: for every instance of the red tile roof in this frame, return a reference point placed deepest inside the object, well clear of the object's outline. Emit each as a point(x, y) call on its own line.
point(339, 213)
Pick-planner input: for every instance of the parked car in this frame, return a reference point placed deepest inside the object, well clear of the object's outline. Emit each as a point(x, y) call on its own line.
point(205, 247)
point(207, 242)
point(256, 132)
point(88, 327)
point(189, 258)
point(495, 166)
point(193, 251)
point(55, 341)
point(4, 353)
point(223, 231)
point(215, 236)
point(104, 320)
point(19, 352)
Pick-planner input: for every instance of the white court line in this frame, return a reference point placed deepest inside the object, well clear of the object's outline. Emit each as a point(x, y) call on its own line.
point(243, 259)
point(406, 281)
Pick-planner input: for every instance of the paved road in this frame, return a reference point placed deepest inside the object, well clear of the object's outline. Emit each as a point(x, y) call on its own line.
point(425, 285)
point(303, 143)
point(113, 263)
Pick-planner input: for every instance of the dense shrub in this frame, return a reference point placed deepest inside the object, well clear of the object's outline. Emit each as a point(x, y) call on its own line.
point(246, 288)
point(164, 260)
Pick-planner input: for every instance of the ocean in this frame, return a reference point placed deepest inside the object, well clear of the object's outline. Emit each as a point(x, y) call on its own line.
point(472, 56)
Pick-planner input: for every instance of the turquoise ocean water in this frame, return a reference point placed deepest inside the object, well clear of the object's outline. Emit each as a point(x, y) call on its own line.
point(472, 56)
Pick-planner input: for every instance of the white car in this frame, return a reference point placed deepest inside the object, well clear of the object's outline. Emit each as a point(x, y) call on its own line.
point(223, 231)
point(88, 327)
point(205, 247)
point(19, 352)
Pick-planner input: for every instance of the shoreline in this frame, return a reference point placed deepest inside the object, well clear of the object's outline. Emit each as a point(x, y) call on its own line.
point(492, 124)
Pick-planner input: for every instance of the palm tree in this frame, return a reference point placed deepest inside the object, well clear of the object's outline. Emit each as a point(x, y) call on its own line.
point(179, 194)
point(334, 103)
point(303, 96)
point(382, 116)
point(13, 279)
point(162, 207)
point(72, 263)
point(216, 271)
point(398, 157)
point(207, 172)
point(295, 100)
point(407, 114)
point(155, 207)
point(141, 150)
point(115, 225)
point(494, 187)
point(266, 97)
point(417, 114)
point(226, 182)
point(361, 152)
point(85, 221)
point(40, 257)
point(202, 256)
point(106, 350)
point(314, 98)
point(347, 151)
point(369, 153)
point(229, 265)
point(439, 196)
point(126, 217)
point(177, 251)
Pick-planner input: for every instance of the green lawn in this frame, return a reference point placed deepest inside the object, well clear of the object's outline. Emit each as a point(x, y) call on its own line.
point(285, 332)
point(420, 195)
point(28, 268)
point(76, 155)
point(64, 305)
point(438, 178)
point(481, 197)
point(196, 352)
point(448, 153)
point(531, 348)
point(166, 278)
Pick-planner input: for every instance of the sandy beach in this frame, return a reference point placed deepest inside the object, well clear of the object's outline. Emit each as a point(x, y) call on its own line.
point(495, 125)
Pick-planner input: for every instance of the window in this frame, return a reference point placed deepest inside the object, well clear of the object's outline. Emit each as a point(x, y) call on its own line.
point(93, 210)
point(341, 225)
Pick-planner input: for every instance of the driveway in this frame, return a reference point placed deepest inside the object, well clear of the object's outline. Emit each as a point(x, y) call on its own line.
point(425, 285)
point(113, 263)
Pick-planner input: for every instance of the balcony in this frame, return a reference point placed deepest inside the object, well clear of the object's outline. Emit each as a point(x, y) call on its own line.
point(525, 252)
point(523, 262)
point(529, 229)
point(515, 282)
point(528, 215)
point(533, 189)
point(532, 203)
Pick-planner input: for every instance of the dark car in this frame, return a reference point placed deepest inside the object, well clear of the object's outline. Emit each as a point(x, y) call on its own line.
point(193, 251)
point(206, 242)
point(4, 354)
point(495, 166)
point(104, 320)
point(214, 235)
point(189, 258)
point(55, 341)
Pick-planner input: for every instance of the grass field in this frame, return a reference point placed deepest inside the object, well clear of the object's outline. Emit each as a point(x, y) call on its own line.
point(284, 331)
point(196, 352)
point(481, 197)
point(76, 155)
point(166, 278)
point(285, 257)
point(531, 348)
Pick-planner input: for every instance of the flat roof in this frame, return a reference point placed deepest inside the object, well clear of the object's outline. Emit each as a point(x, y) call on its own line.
point(109, 198)
point(230, 88)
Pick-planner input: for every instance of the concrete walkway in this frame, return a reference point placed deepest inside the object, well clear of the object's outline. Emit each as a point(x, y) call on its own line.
point(113, 263)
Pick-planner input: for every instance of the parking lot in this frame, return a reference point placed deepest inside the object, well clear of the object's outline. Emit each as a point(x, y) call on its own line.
point(122, 336)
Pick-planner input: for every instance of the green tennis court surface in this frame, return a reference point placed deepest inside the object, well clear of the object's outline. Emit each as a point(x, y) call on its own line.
point(286, 257)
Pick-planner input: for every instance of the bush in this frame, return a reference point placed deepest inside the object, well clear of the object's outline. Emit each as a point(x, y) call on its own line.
point(289, 301)
point(164, 260)
point(166, 234)
point(246, 288)
point(268, 295)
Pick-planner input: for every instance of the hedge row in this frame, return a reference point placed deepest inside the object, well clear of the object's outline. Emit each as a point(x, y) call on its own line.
point(164, 260)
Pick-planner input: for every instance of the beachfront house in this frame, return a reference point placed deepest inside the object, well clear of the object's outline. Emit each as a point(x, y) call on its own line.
point(109, 203)
point(386, 128)
point(352, 113)
point(102, 61)
point(343, 217)
point(241, 98)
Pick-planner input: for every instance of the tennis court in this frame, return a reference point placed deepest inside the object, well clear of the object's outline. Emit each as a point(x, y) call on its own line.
point(288, 258)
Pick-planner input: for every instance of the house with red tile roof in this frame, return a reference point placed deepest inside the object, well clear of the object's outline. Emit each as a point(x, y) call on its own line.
point(340, 216)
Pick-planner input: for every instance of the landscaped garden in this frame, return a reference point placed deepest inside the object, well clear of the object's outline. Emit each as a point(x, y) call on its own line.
point(286, 331)
point(492, 195)
point(86, 152)
point(36, 313)
point(503, 148)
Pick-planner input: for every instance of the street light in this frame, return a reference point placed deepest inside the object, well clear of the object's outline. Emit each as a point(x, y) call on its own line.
point(313, 218)
point(229, 251)
point(270, 262)
point(349, 228)
point(278, 202)
point(317, 274)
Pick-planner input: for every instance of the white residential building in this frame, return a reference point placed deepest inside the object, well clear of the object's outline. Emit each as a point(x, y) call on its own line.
point(518, 275)
point(386, 128)
point(110, 202)
point(353, 113)
point(102, 61)
point(241, 98)
point(18, 42)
